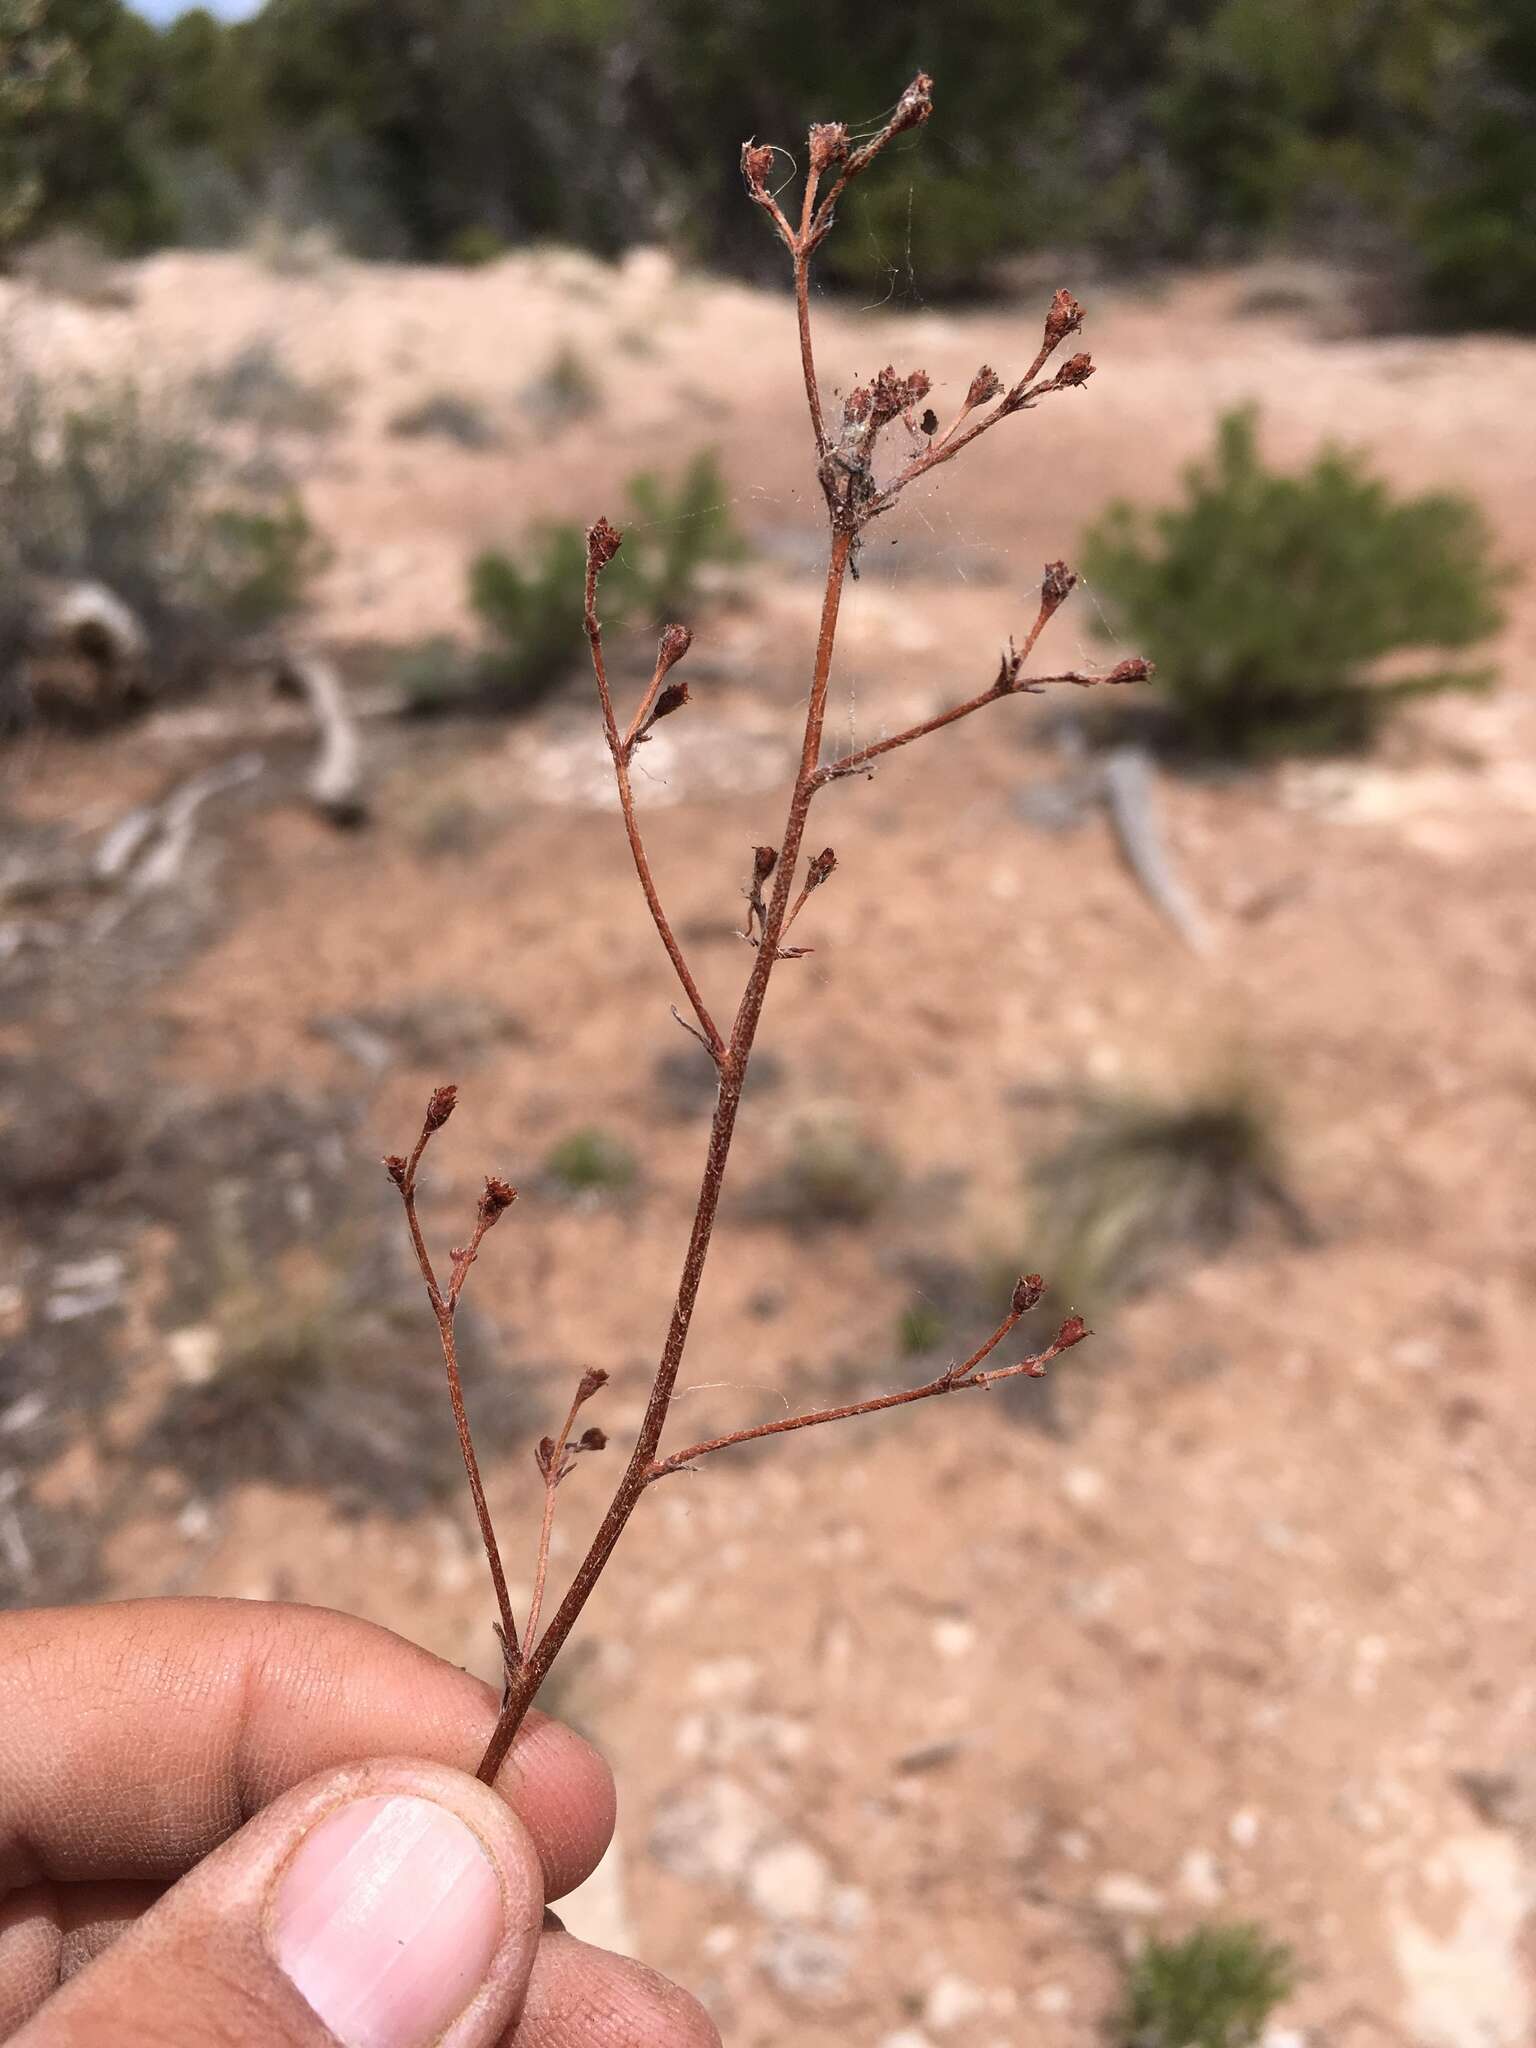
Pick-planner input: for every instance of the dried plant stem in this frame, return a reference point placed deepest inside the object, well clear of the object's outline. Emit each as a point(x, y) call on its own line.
point(540, 1655)
point(444, 1308)
point(956, 1380)
point(845, 460)
point(619, 748)
point(1013, 686)
point(553, 1473)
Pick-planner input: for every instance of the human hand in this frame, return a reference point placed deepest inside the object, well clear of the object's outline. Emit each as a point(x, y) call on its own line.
point(228, 1822)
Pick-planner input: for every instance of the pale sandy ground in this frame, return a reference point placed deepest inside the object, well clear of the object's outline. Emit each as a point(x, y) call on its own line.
point(920, 1723)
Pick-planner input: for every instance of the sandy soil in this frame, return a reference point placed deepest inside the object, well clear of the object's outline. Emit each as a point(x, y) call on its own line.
point(919, 1723)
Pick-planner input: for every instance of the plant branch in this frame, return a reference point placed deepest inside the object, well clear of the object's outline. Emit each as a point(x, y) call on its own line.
point(555, 1461)
point(956, 1380)
point(494, 1202)
point(602, 546)
point(733, 1064)
point(1010, 683)
point(844, 465)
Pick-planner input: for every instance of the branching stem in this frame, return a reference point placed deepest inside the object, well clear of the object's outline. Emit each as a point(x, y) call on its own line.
point(854, 497)
point(444, 1308)
point(619, 749)
point(956, 1380)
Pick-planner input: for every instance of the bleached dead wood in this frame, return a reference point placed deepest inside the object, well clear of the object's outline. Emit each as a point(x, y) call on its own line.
point(1131, 796)
point(336, 778)
point(147, 849)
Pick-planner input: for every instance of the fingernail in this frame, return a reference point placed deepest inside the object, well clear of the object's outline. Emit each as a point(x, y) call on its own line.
point(386, 1920)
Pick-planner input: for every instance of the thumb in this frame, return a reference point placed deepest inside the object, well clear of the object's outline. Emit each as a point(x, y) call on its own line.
point(386, 1905)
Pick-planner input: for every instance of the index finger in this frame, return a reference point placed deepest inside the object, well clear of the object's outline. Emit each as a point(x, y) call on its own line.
point(135, 1738)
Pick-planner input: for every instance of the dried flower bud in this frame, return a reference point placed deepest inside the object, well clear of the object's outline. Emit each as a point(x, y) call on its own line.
point(673, 645)
point(1135, 669)
point(828, 143)
point(856, 406)
point(395, 1167)
point(672, 698)
point(603, 543)
point(496, 1200)
point(1075, 370)
point(593, 1440)
point(895, 395)
point(1064, 318)
point(764, 860)
point(544, 1454)
point(1057, 585)
point(593, 1380)
point(756, 164)
point(820, 869)
point(1072, 1331)
point(985, 386)
point(442, 1105)
point(1027, 1294)
point(914, 106)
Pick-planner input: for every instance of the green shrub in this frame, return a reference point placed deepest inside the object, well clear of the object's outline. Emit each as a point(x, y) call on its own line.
point(257, 388)
point(566, 391)
point(261, 562)
point(448, 416)
point(1214, 1989)
point(534, 610)
point(473, 248)
point(591, 1161)
point(1267, 600)
point(533, 607)
point(672, 533)
point(132, 493)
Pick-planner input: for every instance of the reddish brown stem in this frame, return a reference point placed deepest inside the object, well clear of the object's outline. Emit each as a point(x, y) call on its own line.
point(853, 501)
point(1017, 686)
point(526, 1680)
point(443, 1308)
point(553, 1474)
point(617, 748)
point(956, 1380)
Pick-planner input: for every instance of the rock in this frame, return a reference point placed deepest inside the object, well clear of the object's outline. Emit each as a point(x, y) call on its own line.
point(1200, 1878)
point(1120, 1892)
point(1243, 1827)
point(954, 1637)
point(788, 1880)
point(86, 1287)
point(194, 1353)
point(805, 1965)
point(1083, 1486)
point(708, 1831)
point(951, 2001)
point(721, 1678)
point(848, 1909)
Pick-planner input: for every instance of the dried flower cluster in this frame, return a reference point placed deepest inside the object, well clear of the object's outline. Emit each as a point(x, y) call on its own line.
point(861, 478)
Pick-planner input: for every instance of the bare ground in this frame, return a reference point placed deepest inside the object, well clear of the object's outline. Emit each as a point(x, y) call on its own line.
point(918, 1723)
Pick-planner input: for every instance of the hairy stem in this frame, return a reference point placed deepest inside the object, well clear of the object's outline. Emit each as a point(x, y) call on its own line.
point(617, 748)
point(529, 1675)
point(444, 1308)
point(956, 1380)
